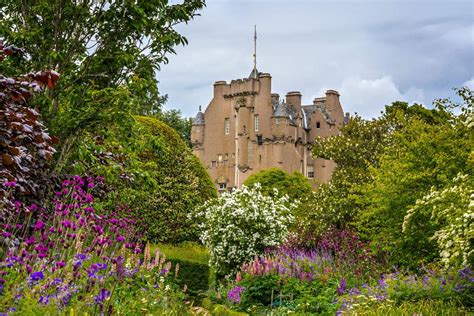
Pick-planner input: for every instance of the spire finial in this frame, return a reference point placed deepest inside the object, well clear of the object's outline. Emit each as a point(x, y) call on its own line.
point(199, 108)
point(255, 48)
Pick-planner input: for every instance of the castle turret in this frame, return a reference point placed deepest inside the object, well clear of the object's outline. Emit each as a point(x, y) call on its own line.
point(197, 134)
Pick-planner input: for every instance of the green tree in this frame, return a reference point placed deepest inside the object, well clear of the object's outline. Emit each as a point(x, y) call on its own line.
point(295, 185)
point(181, 124)
point(107, 52)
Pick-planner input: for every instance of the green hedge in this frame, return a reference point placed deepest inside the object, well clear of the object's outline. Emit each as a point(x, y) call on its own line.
point(193, 262)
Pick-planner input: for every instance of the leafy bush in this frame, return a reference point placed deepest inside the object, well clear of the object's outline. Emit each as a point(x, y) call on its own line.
point(193, 265)
point(452, 209)
point(154, 172)
point(238, 226)
point(295, 186)
point(397, 288)
point(25, 146)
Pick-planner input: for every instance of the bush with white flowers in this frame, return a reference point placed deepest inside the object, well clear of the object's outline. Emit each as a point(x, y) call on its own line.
point(237, 226)
point(452, 211)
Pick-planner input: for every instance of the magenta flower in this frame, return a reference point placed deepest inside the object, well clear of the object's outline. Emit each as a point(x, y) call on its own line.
point(120, 238)
point(60, 264)
point(39, 225)
point(9, 184)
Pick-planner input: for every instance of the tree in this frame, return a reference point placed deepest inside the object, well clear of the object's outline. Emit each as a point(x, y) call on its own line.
point(296, 186)
point(107, 52)
point(181, 124)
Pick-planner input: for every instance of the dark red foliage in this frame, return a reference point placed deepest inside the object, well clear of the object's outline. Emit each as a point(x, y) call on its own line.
point(25, 146)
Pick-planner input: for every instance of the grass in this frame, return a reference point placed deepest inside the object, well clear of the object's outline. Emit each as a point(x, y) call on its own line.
point(188, 251)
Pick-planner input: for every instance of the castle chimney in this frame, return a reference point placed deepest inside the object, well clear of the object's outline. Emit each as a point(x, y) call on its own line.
point(334, 106)
point(294, 98)
point(275, 98)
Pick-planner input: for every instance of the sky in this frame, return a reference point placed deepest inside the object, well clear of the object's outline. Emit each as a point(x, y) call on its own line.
point(372, 52)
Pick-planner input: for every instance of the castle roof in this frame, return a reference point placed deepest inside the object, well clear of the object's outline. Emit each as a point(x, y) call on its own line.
point(320, 106)
point(199, 119)
point(282, 109)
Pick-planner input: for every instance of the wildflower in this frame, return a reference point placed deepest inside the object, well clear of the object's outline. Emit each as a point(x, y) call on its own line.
point(234, 294)
point(342, 286)
point(36, 276)
point(39, 225)
point(103, 295)
point(120, 238)
point(9, 184)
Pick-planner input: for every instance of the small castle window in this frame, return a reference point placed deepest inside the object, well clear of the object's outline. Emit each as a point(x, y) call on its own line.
point(260, 158)
point(245, 129)
point(226, 126)
point(277, 121)
point(259, 139)
point(222, 186)
point(318, 125)
point(219, 158)
point(213, 164)
point(310, 172)
point(257, 122)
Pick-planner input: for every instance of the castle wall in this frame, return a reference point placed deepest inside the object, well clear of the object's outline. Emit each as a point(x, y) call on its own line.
point(231, 154)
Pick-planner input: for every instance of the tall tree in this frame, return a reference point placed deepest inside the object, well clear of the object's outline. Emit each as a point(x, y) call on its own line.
point(107, 52)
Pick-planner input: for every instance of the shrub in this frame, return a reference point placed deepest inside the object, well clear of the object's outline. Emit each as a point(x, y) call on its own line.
point(238, 226)
point(152, 170)
point(25, 146)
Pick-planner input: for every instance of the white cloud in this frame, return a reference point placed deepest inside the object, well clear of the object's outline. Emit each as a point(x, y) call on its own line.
point(369, 96)
point(469, 83)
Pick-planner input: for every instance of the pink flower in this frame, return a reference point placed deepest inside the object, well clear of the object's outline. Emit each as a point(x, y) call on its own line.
point(39, 225)
point(120, 238)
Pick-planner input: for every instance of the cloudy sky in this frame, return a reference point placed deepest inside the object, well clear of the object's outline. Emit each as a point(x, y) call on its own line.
point(373, 52)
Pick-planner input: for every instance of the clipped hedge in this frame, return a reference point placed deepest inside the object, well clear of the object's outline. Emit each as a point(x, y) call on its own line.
point(194, 271)
point(151, 169)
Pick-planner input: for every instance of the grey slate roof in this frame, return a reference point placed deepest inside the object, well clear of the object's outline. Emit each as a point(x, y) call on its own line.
point(199, 119)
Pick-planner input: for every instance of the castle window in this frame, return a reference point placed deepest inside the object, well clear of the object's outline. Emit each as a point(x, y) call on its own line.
point(257, 122)
point(245, 129)
point(310, 171)
point(318, 125)
point(259, 139)
point(219, 158)
point(213, 164)
point(226, 126)
point(260, 158)
point(222, 186)
point(277, 121)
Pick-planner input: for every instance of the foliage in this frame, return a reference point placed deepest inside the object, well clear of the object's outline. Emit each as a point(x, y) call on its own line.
point(419, 158)
point(295, 186)
point(304, 281)
point(384, 165)
point(107, 52)
point(450, 286)
point(237, 226)
point(426, 307)
point(452, 209)
point(153, 171)
point(25, 146)
point(192, 261)
point(182, 125)
point(68, 255)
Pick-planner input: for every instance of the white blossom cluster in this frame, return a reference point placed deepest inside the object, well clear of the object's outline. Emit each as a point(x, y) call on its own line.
point(453, 208)
point(239, 225)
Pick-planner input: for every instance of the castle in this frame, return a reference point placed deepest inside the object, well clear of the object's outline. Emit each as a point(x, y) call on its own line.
point(247, 128)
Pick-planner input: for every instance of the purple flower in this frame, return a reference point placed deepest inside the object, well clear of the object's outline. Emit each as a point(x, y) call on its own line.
point(39, 225)
point(102, 296)
point(9, 184)
point(60, 264)
point(342, 286)
point(6, 234)
point(120, 238)
point(234, 294)
point(36, 276)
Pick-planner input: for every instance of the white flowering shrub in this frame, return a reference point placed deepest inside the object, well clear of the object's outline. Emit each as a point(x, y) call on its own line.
point(452, 210)
point(237, 226)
